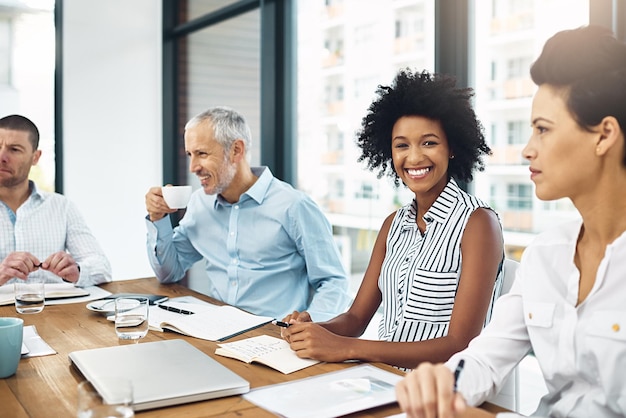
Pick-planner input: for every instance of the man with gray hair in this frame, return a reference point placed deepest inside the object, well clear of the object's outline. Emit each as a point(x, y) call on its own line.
point(266, 247)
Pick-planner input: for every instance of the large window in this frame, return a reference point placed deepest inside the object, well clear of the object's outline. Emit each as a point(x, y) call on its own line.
point(221, 67)
point(27, 74)
point(508, 37)
point(345, 50)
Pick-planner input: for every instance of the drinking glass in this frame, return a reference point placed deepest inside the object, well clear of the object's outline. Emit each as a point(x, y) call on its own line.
point(29, 296)
point(131, 318)
point(117, 402)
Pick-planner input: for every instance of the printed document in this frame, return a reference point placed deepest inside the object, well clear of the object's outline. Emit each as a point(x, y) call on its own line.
point(330, 394)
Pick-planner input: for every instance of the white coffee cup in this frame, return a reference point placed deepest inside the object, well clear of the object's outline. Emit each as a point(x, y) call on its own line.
point(176, 197)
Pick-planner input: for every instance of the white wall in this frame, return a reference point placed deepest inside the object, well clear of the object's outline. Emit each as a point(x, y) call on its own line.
point(112, 121)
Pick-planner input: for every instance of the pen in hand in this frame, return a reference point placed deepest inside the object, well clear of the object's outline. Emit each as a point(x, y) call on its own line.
point(281, 324)
point(457, 372)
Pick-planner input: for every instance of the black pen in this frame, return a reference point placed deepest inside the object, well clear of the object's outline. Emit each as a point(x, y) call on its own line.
point(173, 309)
point(457, 372)
point(281, 324)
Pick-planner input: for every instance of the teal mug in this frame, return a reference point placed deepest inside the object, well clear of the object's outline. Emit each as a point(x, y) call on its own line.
point(11, 334)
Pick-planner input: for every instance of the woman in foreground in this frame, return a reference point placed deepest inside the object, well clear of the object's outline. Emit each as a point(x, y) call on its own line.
point(568, 300)
point(436, 260)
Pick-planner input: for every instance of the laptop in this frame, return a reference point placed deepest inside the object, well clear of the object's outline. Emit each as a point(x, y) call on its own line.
point(163, 373)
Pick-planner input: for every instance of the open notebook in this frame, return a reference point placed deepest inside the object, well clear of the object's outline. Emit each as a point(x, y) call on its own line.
point(163, 373)
point(207, 321)
point(265, 349)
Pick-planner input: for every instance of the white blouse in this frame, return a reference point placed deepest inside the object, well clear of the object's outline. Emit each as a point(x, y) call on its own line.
point(581, 349)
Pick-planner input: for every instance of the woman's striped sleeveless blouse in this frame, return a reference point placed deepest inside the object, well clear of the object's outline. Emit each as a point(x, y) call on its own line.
point(419, 275)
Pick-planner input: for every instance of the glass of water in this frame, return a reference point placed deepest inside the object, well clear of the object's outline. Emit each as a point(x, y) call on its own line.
point(30, 296)
point(117, 402)
point(131, 318)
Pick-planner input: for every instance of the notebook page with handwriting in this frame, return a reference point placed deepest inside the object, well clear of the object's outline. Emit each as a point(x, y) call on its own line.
point(271, 351)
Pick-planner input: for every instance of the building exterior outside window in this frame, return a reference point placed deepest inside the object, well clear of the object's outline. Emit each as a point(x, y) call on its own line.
point(509, 35)
point(347, 48)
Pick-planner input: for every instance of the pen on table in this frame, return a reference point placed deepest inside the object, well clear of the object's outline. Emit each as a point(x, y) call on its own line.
point(173, 309)
point(281, 324)
point(457, 372)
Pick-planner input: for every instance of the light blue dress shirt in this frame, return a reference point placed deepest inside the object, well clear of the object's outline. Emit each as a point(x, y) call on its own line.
point(47, 223)
point(270, 253)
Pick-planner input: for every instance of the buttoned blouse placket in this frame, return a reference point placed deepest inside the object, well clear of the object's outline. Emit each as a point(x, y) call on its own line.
point(407, 268)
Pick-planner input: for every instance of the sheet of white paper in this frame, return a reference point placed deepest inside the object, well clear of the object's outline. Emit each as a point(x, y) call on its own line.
point(328, 395)
point(35, 345)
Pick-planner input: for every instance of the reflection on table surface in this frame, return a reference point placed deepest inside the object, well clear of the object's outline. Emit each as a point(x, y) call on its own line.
point(47, 386)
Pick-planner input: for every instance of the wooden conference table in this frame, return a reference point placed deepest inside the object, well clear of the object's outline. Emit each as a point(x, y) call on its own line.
point(46, 386)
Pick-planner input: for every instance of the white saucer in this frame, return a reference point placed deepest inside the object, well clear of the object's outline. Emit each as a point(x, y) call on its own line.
point(105, 306)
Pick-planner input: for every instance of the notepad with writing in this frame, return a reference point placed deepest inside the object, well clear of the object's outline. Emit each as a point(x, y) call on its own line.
point(208, 322)
point(271, 351)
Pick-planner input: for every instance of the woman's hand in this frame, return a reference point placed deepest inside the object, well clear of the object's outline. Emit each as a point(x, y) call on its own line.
point(428, 392)
point(310, 340)
point(294, 318)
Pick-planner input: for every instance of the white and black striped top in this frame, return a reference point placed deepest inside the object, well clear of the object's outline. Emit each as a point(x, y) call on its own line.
point(420, 273)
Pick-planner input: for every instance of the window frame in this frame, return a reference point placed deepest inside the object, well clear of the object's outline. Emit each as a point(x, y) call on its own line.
point(279, 147)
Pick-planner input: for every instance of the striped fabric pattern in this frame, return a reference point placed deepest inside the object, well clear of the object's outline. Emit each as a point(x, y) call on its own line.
point(45, 224)
point(420, 273)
